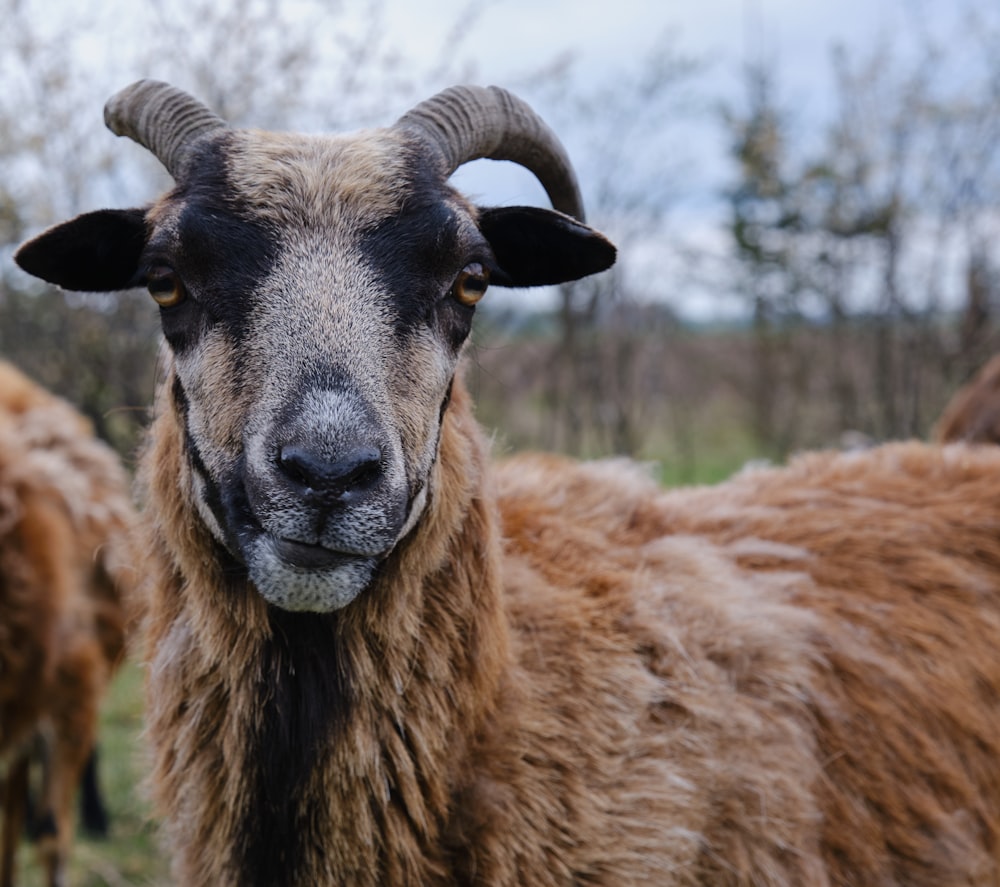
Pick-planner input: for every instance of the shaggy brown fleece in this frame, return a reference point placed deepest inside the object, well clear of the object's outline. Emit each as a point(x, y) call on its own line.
point(566, 675)
point(65, 561)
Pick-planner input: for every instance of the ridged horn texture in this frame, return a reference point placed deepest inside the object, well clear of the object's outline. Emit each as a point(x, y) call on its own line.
point(162, 118)
point(465, 123)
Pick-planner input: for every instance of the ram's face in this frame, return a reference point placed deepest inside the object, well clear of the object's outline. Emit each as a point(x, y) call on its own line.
point(315, 298)
point(315, 294)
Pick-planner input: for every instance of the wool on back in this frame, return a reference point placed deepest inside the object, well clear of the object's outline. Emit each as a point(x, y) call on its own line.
point(816, 647)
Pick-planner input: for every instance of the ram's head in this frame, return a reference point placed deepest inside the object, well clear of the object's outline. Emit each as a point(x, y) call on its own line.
point(315, 294)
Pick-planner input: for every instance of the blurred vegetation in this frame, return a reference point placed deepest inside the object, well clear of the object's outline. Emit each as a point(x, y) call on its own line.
point(867, 260)
point(859, 246)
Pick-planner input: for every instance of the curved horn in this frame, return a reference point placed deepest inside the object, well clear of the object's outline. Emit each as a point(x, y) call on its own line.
point(465, 123)
point(162, 118)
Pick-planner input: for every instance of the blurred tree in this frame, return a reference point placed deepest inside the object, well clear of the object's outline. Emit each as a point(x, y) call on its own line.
point(612, 329)
point(766, 226)
point(850, 248)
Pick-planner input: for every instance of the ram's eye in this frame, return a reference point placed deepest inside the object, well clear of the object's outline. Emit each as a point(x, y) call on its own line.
point(165, 286)
point(470, 286)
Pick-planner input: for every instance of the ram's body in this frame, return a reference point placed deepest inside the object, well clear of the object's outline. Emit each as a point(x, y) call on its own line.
point(788, 679)
point(65, 561)
point(375, 658)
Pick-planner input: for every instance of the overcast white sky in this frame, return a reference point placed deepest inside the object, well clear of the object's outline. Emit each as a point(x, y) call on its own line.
point(511, 36)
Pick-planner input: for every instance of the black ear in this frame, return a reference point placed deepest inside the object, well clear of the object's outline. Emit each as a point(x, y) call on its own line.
point(94, 252)
point(539, 247)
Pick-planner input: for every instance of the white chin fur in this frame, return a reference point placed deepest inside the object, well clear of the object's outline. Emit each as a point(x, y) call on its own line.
point(303, 590)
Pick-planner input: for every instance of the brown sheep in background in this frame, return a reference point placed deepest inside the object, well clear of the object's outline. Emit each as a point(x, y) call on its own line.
point(973, 413)
point(377, 659)
point(65, 562)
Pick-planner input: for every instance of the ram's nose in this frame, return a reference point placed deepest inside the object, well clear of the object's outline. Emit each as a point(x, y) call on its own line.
point(331, 480)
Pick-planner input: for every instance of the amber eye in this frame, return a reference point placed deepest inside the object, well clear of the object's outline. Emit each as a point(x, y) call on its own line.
point(470, 285)
point(165, 286)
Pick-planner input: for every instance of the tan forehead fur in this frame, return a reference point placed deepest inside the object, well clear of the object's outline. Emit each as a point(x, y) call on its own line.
point(289, 178)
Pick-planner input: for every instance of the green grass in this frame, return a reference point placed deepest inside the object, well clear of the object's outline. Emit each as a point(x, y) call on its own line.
point(130, 854)
point(715, 444)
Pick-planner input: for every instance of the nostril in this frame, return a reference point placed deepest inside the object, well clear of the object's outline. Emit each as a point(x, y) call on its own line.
point(353, 472)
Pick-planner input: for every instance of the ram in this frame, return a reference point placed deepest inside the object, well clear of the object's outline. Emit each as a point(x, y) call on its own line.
point(66, 566)
point(377, 658)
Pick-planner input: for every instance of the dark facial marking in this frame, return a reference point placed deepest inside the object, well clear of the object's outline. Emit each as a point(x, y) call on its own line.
point(219, 249)
point(446, 402)
point(212, 495)
point(418, 255)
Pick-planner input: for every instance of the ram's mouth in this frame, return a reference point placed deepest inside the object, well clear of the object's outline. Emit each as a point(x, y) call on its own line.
point(295, 568)
point(304, 577)
point(303, 557)
point(246, 535)
point(309, 557)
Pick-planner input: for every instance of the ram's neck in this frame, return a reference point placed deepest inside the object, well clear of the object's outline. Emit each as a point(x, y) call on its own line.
point(300, 748)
